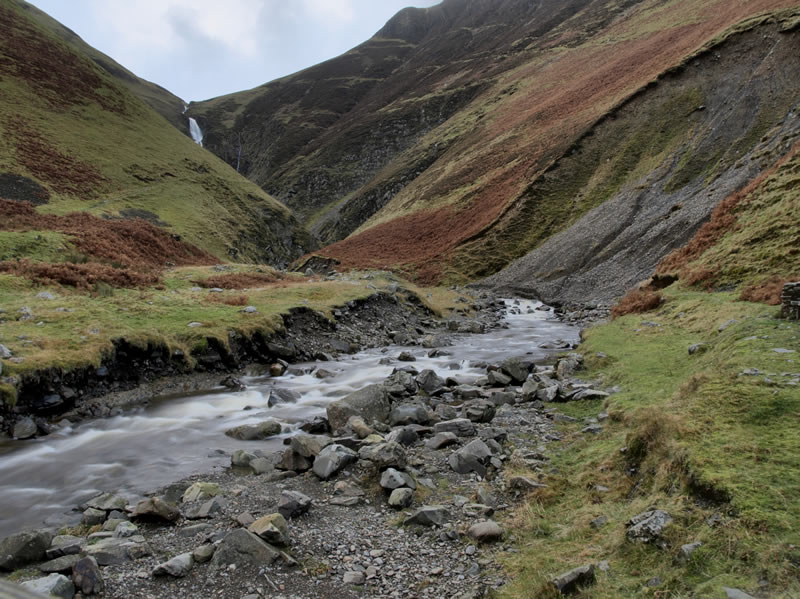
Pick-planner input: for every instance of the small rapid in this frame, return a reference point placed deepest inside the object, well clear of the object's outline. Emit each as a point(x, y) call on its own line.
point(176, 436)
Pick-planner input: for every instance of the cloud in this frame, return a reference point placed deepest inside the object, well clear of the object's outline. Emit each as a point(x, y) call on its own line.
point(332, 12)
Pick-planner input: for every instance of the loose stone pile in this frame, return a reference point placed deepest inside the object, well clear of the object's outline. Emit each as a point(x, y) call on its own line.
point(790, 301)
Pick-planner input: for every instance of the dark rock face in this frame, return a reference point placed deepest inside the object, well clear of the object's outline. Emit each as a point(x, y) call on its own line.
point(790, 301)
point(19, 188)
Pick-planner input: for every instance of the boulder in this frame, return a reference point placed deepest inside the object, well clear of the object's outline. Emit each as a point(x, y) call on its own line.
point(208, 509)
point(410, 413)
point(178, 567)
point(204, 553)
point(242, 548)
point(568, 365)
point(201, 491)
point(155, 508)
point(570, 582)
point(430, 382)
point(255, 432)
point(309, 446)
point(401, 383)
point(429, 515)
point(392, 479)
point(401, 498)
point(371, 403)
point(473, 457)
point(25, 428)
point(282, 396)
point(293, 504)
point(516, 368)
point(332, 459)
point(440, 440)
point(486, 532)
point(384, 455)
point(118, 551)
point(529, 389)
point(497, 378)
point(64, 545)
point(60, 565)
point(293, 461)
point(87, 577)
point(736, 594)
point(648, 526)
point(406, 436)
point(359, 427)
point(479, 410)
point(91, 516)
point(24, 548)
point(55, 585)
point(108, 502)
point(241, 458)
point(125, 529)
point(461, 427)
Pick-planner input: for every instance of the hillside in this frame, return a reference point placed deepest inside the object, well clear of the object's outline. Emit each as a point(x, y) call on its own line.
point(461, 137)
point(76, 139)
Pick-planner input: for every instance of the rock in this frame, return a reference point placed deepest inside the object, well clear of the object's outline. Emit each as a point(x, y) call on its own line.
point(282, 396)
point(461, 427)
point(60, 565)
point(406, 436)
point(736, 594)
point(242, 548)
point(24, 548)
point(568, 365)
point(108, 502)
point(359, 427)
point(593, 429)
point(467, 392)
point(92, 516)
point(55, 585)
point(347, 488)
point(371, 403)
point(479, 411)
point(63, 545)
point(204, 553)
point(440, 440)
point(87, 578)
point(406, 357)
point(255, 432)
point(394, 479)
point(529, 389)
point(515, 368)
point(276, 369)
point(118, 551)
point(207, 509)
point(384, 455)
point(293, 462)
point(411, 413)
point(697, 348)
point(503, 398)
point(316, 426)
point(687, 550)
point(25, 428)
point(548, 394)
point(429, 515)
point(401, 498)
point(178, 566)
point(648, 526)
point(332, 459)
point(125, 530)
point(473, 457)
point(345, 501)
point(201, 491)
point(433, 341)
point(293, 504)
point(486, 532)
point(445, 412)
point(241, 458)
point(5, 353)
point(354, 578)
point(430, 382)
point(401, 383)
point(599, 522)
point(525, 484)
point(260, 465)
point(309, 446)
point(232, 383)
point(571, 581)
point(155, 508)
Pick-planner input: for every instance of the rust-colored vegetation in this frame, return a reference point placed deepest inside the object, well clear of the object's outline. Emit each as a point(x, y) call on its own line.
point(767, 291)
point(229, 300)
point(239, 281)
point(80, 276)
point(637, 301)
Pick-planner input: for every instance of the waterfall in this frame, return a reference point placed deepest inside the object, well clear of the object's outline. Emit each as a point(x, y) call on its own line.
point(195, 131)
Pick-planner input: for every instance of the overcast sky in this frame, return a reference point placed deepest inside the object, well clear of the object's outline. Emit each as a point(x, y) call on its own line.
point(199, 49)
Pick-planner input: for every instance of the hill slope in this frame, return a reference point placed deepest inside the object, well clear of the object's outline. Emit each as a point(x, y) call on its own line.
point(74, 138)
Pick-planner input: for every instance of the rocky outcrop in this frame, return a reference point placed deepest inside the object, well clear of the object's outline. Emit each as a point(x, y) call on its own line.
point(790, 301)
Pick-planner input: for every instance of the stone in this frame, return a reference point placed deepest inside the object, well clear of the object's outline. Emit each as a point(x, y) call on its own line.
point(241, 458)
point(593, 429)
point(272, 528)
point(589, 394)
point(282, 396)
point(108, 502)
point(309, 446)
point(697, 348)
point(440, 440)
point(384, 455)
point(155, 508)
point(394, 479)
point(359, 427)
point(255, 432)
point(687, 550)
point(486, 532)
point(736, 594)
point(648, 526)
point(92, 516)
point(429, 515)
point(525, 484)
point(293, 504)
point(548, 394)
point(63, 545)
point(204, 553)
point(260, 465)
point(25, 428)
point(208, 509)
point(406, 436)
point(570, 582)
point(294, 462)
point(354, 578)
point(430, 382)
point(401, 498)
point(515, 368)
point(473, 457)
point(371, 403)
point(461, 427)
point(332, 459)
point(529, 390)
point(178, 567)
point(242, 548)
point(125, 529)
point(60, 565)
point(446, 412)
point(201, 491)
point(55, 585)
point(118, 551)
point(568, 366)
point(87, 577)
point(5, 353)
point(410, 413)
point(347, 488)
point(599, 522)
point(479, 411)
point(24, 548)
point(503, 398)
point(406, 357)
point(345, 501)
point(497, 378)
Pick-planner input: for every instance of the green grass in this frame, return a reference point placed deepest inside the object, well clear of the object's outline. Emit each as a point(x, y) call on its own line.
point(44, 246)
point(704, 438)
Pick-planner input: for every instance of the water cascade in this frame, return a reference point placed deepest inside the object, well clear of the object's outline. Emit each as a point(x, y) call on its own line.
point(196, 132)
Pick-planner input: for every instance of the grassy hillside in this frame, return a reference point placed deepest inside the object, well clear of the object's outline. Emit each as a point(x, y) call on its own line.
point(75, 138)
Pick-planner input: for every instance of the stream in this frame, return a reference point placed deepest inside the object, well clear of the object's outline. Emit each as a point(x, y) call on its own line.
point(41, 480)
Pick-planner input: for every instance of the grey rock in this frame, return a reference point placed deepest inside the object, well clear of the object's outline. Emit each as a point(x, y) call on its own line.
point(241, 458)
point(394, 479)
point(479, 411)
point(529, 389)
point(411, 413)
point(25, 428)
point(401, 383)
point(440, 440)
point(697, 348)
point(125, 529)
point(497, 378)
point(348, 489)
point(445, 412)
point(406, 357)
point(570, 582)
point(687, 550)
point(589, 394)
point(516, 368)
point(5, 353)
point(593, 429)
point(242, 548)
point(208, 509)
point(282, 396)
point(178, 567)
point(309, 446)
point(429, 515)
point(55, 585)
point(461, 427)
point(92, 516)
point(108, 502)
point(24, 548)
point(359, 427)
point(371, 403)
point(568, 365)
point(648, 526)
point(117, 551)
point(736, 594)
point(155, 508)
point(292, 461)
point(384, 455)
point(332, 459)
point(345, 501)
point(60, 565)
point(486, 532)
point(201, 491)
point(401, 498)
point(352, 577)
point(430, 382)
point(548, 393)
point(63, 545)
point(87, 577)
point(255, 432)
point(473, 457)
point(406, 436)
point(503, 398)
point(599, 522)
point(293, 504)
point(525, 484)
point(204, 553)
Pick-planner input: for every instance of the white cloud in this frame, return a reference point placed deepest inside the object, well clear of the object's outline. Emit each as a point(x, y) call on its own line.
point(333, 12)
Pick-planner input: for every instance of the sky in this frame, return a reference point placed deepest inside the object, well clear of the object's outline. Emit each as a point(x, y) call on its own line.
point(199, 49)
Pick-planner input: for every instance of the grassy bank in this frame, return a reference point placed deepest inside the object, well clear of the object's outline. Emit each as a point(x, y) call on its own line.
point(710, 437)
point(76, 328)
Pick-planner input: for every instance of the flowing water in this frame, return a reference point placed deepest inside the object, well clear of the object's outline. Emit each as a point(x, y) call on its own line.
point(174, 437)
point(195, 131)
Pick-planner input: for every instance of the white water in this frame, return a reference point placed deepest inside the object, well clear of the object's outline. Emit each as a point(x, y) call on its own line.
point(178, 436)
point(195, 131)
